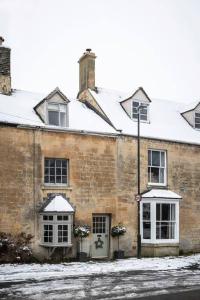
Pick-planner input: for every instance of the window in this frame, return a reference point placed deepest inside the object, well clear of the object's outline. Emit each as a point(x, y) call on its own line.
point(197, 120)
point(57, 114)
point(165, 221)
point(56, 171)
point(160, 221)
point(156, 167)
point(143, 111)
point(146, 220)
point(56, 229)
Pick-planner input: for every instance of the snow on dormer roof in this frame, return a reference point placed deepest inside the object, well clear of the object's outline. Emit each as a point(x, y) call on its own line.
point(165, 119)
point(18, 109)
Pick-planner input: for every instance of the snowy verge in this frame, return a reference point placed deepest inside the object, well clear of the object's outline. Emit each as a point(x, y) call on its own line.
point(47, 271)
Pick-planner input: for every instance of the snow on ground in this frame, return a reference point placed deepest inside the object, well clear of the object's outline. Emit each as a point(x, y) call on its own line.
point(47, 271)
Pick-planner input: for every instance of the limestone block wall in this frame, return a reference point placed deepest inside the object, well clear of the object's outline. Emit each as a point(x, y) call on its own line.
point(16, 180)
point(103, 179)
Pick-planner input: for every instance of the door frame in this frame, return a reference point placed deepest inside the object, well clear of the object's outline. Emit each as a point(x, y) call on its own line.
point(109, 231)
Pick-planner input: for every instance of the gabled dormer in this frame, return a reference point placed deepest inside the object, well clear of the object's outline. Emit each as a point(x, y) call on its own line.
point(132, 103)
point(53, 109)
point(192, 115)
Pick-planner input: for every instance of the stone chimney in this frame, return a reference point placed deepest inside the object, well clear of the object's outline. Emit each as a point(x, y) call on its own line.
point(87, 70)
point(5, 79)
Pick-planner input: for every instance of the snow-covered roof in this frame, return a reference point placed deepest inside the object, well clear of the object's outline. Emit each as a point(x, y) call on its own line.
point(165, 119)
point(160, 193)
point(58, 204)
point(190, 106)
point(18, 108)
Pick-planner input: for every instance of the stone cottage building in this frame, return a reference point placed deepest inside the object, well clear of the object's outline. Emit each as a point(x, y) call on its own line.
point(74, 161)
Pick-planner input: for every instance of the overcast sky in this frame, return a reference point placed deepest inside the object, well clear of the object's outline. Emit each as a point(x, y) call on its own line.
point(149, 43)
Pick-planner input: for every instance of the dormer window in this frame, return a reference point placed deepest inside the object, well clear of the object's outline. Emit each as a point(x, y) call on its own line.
point(143, 111)
point(197, 120)
point(57, 114)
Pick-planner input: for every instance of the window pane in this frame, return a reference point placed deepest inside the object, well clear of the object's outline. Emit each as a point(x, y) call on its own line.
point(62, 119)
point(162, 159)
point(52, 163)
point(135, 104)
point(58, 163)
point(53, 118)
point(64, 163)
point(64, 179)
point(146, 211)
point(173, 216)
point(165, 208)
point(161, 175)
point(165, 232)
point(52, 179)
point(52, 106)
point(154, 172)
point(46, 162)
point(52, 171)
point(146, 230)
point(157, 212)
point(58, 179)
point(172, 232)
point(155, 158)
point(149, 157)
point(134, 115)
point(46, 179)
point(63, 108)
point(58, 171)
point(143, 117)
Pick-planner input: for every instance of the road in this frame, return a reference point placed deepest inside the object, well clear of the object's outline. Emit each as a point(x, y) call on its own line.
point(181, 284)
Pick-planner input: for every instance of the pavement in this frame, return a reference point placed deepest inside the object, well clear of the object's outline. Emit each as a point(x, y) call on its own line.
point(55, 282)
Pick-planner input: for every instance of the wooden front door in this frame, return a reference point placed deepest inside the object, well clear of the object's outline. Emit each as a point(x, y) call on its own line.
point(100, 238)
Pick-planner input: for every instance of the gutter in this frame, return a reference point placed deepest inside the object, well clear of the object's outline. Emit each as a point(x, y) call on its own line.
point(76, 131)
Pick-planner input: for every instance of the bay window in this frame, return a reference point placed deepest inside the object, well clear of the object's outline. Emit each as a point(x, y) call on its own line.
point(160, 221)
point(56, 229)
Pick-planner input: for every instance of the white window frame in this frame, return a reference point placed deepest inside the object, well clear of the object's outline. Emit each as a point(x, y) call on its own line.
point(67, 173)
point(195, 117)
point(153, 203)
point(140, 103)
point(160, 167)
point(59, 112)
point(55, 223)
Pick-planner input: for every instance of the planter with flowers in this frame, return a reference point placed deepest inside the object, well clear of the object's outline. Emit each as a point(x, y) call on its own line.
point(81, 232)
point(117, 231)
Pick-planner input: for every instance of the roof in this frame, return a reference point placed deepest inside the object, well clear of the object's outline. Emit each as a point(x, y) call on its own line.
point(139, 89)
point(166, 121)
point(190, 106)
point(160, 193)
point(18, 108)
point(58, 204)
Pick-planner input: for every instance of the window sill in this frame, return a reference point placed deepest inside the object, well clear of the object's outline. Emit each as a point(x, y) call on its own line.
point(55, 245)
point(161, 185)
point(163, 243)
point(56, 187)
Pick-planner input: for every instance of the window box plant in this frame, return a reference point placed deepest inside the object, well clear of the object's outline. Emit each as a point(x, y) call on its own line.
point(117, 231)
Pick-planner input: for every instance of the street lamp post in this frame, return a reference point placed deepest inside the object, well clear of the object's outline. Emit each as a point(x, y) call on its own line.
point(138, 180)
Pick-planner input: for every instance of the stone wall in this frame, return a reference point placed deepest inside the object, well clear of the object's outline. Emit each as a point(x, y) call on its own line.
point(103, 179)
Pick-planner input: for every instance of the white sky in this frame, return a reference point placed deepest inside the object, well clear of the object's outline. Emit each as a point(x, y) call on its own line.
point(149, 43)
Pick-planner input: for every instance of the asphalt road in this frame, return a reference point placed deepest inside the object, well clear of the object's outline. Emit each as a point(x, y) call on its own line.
point(181, 284)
